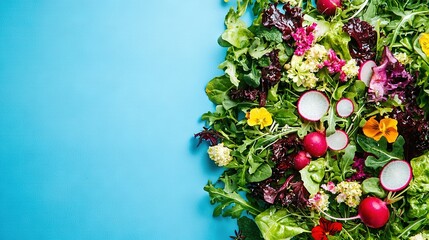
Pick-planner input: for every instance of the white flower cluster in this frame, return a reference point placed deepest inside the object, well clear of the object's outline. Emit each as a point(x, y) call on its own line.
point(302, 68)
point(420, 236)
point(350, 69)
point(349, 193)
point(220, 154)
point(402, 58)
point(320, 201)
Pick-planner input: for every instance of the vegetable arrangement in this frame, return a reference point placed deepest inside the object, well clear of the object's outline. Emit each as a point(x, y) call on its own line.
point(321, 121)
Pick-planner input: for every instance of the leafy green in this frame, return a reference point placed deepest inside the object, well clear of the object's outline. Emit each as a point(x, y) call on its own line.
point(236, 32)
point(418, 191)
point(278, 224)
point(372, 186)
point(249, 229)
point(382, 155)
point(228, 204)
point(231, 70)
point(312, 175)
point(217, 89)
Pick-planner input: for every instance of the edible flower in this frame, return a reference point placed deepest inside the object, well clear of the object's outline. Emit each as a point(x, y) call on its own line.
point(424, 42)
point(259, 116)
point(325, 228)
point(304, 38)
point(350, 193)
point(220, 154)
point(334, 64)
point(320, 201)
point(387, 128)
point(330, 187)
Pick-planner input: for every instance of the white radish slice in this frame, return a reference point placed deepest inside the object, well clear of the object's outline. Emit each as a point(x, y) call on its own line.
point(396, 175)
point(338, 140)
point(365, 71)
point(344, 107)
point(312, 105)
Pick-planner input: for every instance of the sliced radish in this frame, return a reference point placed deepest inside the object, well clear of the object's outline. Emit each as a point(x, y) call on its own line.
point(345, 107)
point(365, 71)
point(396, 175)
point(338, 140)
point(312, 105)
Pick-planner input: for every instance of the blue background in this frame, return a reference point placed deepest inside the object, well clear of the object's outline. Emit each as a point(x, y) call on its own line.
point(99, 101)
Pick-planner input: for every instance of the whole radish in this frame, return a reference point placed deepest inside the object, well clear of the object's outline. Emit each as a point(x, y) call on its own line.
point(301, 160)
point(315, 144)
point(328, 7)
point(373, 212)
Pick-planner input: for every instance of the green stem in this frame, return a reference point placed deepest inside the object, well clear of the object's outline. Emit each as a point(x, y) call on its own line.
point(362, 6)
point(411, 227)
point(350, 236)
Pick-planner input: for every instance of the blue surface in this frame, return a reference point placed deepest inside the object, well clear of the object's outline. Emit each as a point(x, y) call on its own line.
point(99, 101)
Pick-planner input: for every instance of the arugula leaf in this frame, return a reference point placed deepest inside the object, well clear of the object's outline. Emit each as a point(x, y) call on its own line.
point(382, 155)
point(278, 224)
point(347, 160)
point(253, 78)
point(228, 204)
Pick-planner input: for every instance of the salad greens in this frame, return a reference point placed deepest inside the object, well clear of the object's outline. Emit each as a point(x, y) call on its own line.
point(256, 130)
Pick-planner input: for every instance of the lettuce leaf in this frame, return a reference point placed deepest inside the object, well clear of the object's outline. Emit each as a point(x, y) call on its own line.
point(418, 191)
point(277, 224)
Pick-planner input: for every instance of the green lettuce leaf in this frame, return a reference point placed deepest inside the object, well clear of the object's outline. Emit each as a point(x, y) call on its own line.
point(236, 32)
point(312, 175)
point(418, 191)
point(217, 89)
point(278, 225)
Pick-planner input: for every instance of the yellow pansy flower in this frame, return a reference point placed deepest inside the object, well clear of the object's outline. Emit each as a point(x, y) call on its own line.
point(424, 43)
point(259, 116)
point(386, 128)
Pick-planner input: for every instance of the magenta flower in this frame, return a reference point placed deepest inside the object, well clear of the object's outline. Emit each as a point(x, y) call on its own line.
point(334, 64)
point(330, 187)
point(304, 38)
point(358, 165)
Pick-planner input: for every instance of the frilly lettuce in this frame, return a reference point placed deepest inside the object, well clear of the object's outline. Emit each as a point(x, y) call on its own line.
point(418, 191)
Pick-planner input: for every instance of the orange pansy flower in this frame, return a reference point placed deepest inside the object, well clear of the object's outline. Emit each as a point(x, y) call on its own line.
point(387, 127)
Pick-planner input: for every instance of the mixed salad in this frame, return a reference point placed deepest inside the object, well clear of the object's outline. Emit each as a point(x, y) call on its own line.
point(321, 120)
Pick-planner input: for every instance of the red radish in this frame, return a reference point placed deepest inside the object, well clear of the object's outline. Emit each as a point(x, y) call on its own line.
point(372, 211)
point(396, 175)
point(312, 105)
point(365, 71)
point(345, 107)
point(315, 144)
point(301, 160)
point(328, 7)
point(338, 140)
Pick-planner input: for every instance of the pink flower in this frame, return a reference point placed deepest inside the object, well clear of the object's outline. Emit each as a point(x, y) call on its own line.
point(334, 64)
point(304, 38)
point(330, 187)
